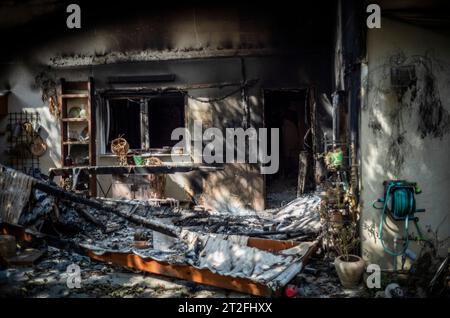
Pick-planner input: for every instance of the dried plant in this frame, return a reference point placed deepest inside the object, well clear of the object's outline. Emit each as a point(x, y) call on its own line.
point(345, 239)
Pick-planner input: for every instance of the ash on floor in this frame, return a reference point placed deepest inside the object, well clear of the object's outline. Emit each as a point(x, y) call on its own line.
point(280, 192)
point(49, 278)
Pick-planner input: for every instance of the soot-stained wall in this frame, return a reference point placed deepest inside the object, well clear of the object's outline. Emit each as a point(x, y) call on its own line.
point(198, 46)
point(405, 133)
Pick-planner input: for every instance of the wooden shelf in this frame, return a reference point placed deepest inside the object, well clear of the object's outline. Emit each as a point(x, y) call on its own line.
point(68, 91)
point(76, 142)
point(74, 120)
point(78, 95)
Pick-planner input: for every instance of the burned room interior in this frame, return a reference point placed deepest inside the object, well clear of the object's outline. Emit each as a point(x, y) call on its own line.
point(224, 150)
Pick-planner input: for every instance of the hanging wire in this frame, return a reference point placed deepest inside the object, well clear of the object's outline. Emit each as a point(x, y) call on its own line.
point(218, 99)
point(213, 100)
point(161, 92)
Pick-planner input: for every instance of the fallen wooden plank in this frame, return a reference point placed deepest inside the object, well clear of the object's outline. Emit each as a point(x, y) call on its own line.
point(100, 170)
point(270, 245)
point(62, 194)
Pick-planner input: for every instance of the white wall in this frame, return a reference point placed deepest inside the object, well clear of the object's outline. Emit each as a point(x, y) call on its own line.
point(384, 120)
point(21, 80)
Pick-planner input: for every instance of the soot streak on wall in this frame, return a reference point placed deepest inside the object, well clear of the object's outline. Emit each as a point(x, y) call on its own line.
point(418, 98)
point(405, 134)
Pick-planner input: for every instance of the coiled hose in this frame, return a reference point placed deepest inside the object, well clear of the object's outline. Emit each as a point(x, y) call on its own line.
point(403, 206)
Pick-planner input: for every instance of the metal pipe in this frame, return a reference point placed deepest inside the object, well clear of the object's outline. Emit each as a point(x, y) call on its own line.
point(338, 98)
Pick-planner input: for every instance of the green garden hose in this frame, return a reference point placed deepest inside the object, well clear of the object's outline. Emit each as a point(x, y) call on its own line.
point(400, 196)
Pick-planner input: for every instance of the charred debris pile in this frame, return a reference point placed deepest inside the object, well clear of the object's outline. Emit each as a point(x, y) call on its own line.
point(255, 253)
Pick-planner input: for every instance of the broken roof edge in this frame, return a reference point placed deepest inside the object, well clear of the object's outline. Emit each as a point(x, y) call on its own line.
point(64, 61)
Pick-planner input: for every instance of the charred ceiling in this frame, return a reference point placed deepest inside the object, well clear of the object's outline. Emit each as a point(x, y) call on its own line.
point(193, 26)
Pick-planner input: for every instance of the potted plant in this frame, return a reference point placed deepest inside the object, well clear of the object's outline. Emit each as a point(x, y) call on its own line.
point(349, 267)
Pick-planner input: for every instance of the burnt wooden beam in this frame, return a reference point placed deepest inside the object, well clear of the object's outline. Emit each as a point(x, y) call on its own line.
point(99, 170)
point(138, 91)
point(270, 245)
point(62, 194)
point(88, 216)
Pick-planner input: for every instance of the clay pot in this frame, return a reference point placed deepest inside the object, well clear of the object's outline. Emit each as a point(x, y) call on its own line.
point(350, 269)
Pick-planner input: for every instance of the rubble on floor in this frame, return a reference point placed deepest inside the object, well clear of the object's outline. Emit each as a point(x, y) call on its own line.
point(324, 282)
point(204, 240)
point(280, 192)
point(48, 279)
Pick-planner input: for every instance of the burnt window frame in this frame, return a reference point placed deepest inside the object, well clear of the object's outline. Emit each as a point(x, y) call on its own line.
point(145, 97)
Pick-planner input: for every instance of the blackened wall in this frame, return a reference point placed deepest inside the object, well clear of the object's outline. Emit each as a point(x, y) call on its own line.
point(280, 47)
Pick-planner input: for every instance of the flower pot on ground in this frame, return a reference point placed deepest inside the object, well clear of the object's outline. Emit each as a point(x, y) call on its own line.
point(349, 269)
point(345, 241)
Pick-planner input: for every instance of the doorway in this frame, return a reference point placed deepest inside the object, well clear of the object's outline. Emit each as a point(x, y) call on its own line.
point(289, 111)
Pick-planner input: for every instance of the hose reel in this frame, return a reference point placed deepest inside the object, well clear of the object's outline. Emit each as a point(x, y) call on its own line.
point(400, 203)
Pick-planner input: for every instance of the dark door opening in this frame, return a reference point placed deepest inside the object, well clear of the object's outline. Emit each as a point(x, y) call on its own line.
point(165, 113)
point(287, 110)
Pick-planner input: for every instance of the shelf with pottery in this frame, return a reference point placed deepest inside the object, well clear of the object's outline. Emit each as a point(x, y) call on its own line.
point(77, 126)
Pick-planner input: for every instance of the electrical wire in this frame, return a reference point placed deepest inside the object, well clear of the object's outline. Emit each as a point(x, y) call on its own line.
point(218, 99)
